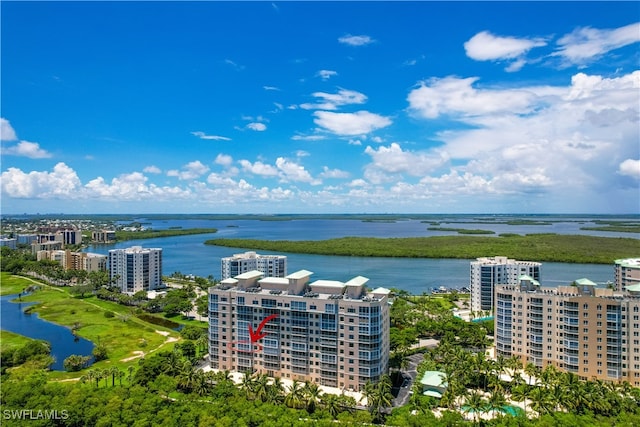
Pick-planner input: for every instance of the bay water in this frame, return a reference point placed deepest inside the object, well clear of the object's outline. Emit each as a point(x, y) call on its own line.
point(189, 254)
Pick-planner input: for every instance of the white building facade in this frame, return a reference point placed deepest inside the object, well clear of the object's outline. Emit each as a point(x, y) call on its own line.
point(269, 265)
point(488, 272)
point(136, 268)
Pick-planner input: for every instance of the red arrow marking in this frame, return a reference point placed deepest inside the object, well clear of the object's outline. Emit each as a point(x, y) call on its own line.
point(257, 335)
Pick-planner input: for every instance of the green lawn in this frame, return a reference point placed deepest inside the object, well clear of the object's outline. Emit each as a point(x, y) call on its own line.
point(11, 340)
point(124, 335)
point(10, 284)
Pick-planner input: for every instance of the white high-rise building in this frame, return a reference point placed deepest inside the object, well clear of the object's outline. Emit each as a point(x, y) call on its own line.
point(136, 268)
point(269, 265)
point(499, 270)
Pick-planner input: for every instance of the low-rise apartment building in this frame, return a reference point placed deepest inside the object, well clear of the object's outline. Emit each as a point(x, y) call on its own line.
point(329, 332)
point(86, 261)
point(103, 236)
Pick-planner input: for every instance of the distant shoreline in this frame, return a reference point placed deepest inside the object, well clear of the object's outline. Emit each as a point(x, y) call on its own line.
point(533, 247)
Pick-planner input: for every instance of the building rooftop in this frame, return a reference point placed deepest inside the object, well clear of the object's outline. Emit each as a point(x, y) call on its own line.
point(328, 284)
point(357, 281)
point(633, 288)
point(585, 282)
point(250, 275)
point(299, 274)
point(629, 262)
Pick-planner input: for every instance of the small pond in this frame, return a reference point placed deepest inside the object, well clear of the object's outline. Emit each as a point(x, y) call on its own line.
point(63, 342)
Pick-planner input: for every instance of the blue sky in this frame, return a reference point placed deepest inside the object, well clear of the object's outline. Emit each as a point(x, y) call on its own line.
point(320, 107)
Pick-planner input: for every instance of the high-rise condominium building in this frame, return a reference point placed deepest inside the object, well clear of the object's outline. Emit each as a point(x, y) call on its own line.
point(590, 331)
point(136, 268)
point(486, 273)
point(626, 273)
point(269, 265)
point(329, 332)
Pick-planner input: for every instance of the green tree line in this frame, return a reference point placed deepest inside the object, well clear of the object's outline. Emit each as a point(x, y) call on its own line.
point(534, 247)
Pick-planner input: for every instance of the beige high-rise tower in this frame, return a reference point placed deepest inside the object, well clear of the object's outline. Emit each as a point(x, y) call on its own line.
point(590, 331)
point(333, 333)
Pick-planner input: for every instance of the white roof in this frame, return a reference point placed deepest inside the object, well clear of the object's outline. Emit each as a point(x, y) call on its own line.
point(274, 280)
point(357, 281)
point(300, 274)
point(328, 284)
point(229, 281)
point(250, 275)
point(381, 290)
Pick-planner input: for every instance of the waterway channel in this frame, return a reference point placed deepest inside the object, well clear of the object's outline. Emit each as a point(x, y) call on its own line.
point(63, 342)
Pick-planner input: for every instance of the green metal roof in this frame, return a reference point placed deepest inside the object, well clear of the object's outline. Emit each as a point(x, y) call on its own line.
point(633, 288)
point(585, 282)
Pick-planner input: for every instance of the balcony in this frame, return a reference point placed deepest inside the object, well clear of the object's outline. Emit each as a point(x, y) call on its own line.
point(299, 363)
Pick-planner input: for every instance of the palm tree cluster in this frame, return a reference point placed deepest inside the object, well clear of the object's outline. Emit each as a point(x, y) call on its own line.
point(478, 384)
point(379, 397)
point(299, 395)
point(103, 374)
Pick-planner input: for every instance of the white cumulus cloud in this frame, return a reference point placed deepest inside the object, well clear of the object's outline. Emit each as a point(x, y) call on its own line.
point(586, 43)
point(331, 101)
point(28, 149)
point(258, 168)
point(457, 96)
point(191, 170)
point(326, 74)
point(61, 182)
point(361, 40)
point(485, 46)
point(203, 135)
point(346, 124)
point(6, 131)
point(152, 169)
point(630, 167)
point(258, 127)
point(394, 159)
point(292, 171)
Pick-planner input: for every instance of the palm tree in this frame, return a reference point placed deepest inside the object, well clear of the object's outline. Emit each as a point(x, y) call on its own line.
point(114, 372)
point(474, 404)
point(573, 391)
point(261, 387)
point(520, 393)
point(532, 371)
point(294, 399)
point(96, 375)
point(247, 384)
point(173, 362)
point(332, 404)
point(540, 401)
point(186, 376)
point(549, 376)
point(496, 401)
point(201, 384)
point(120, 375)
point(131, 370)
point(202, 343)
point(312, 395)
point(276, 391)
